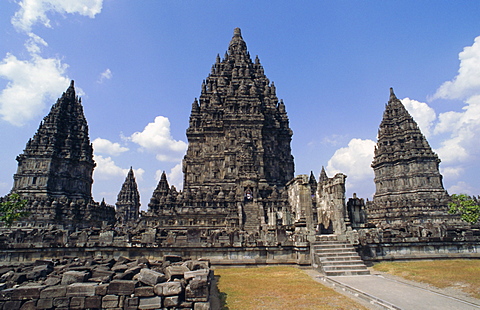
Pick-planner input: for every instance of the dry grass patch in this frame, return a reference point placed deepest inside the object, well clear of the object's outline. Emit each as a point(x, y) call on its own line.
point(459, 273)
point(277, 288)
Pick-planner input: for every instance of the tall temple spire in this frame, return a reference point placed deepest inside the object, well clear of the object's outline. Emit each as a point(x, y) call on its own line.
point(405, 166)
point(58, 160)
point(240, 128)
point(128, 199)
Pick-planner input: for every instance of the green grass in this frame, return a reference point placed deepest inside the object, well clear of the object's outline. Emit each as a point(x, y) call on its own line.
point(276, 288)
point(460, 273)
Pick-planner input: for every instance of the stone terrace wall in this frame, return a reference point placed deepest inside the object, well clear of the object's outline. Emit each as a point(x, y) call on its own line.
point(102, 283)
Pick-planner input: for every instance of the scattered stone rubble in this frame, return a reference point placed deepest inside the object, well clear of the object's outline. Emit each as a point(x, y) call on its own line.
point(106, 283)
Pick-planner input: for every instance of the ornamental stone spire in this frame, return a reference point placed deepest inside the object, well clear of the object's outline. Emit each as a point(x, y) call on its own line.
point(128, 200)
point(406, 169)
point(58, 160)
point(239, 130)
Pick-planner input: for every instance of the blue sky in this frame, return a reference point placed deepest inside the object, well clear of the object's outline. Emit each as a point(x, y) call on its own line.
point(138, 66)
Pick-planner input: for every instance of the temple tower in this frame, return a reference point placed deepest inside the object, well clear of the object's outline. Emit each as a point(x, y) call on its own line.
point(238, 160)
point(407, 178)
point(239, 136)
point(58, 160)
point(128, 200)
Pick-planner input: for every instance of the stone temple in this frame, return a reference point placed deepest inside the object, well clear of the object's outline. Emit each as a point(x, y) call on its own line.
point(241, 203)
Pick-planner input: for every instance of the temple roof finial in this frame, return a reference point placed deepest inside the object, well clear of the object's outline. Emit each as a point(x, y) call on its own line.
point(237, 32)
point(392, 94)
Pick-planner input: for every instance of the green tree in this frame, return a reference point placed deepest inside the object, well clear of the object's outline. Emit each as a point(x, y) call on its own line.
point(467, 207)
point(12, 209)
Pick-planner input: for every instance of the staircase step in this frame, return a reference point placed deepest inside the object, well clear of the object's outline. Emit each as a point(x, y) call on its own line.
point(337, 258)
point(347, 273)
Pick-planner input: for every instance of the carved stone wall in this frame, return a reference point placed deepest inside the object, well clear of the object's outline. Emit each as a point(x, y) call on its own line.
point(407, 178)
point(238, 159)
point(331, 208)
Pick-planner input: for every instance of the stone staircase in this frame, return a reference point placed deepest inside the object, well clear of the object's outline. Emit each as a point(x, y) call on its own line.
point(252, 217)
point(336, 258)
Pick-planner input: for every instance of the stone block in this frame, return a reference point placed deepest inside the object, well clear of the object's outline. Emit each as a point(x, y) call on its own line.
point(27, 292)
point(197, 264)
point(169, 288)
point(144, 291)
point(120, 268)
point(201, 274)
point(44, 303)
point(175, 272)
point(99, 273)
point(147, 303)
point(30, 305)
point(197, 291)
point(61, 302)
point(70, 277)
point(121, 287)
point(54, 291)
point(81, 289)
point(101, 290)
point(170, 301)
point(109, 301)
point(201, 306)
point(77, 303)
point(12, 305)
point(131, 303)
point(150, 277)
point(93, 302)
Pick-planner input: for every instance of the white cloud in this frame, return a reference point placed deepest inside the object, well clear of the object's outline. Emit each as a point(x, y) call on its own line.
point(354, 161)
point(423, 115)
point(467, 81)
point(464, 129)
point(105, 75)
point(34, 11)
point(452, 172)
point(461, 188)
point(31, 83)
point(107, 169)
point(107, 147)
point(156, 137)
point(175, 177)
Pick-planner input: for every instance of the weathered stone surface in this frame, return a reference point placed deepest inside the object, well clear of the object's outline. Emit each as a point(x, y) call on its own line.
point(201, 274)
point(54, 291)
point(93, 302)
point(144, 291)
point(27, 292)
point(121, 287)
point(175, 272)
point(77, 302)
point(12, 305)
point(151, 277)
point(32, 305)
point(131, 303)
point(147, 303)
point(45, 303)
point(109, 301)
point(169, 288)
point(61, 302)
point(70, 277)
point(202, 306)
point(171, 301)
point(81, 289)
point(101, 290)
point(197, 290)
